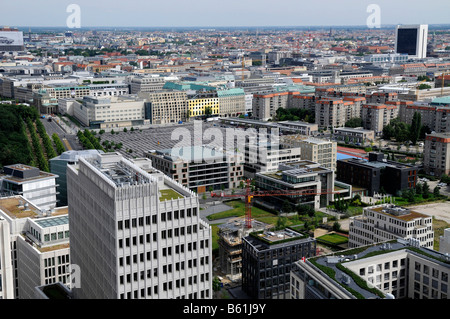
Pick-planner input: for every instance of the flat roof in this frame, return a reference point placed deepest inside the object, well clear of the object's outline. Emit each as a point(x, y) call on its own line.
point(398, 212)
point(18, 207)
point(193, 153)
point(53, 221)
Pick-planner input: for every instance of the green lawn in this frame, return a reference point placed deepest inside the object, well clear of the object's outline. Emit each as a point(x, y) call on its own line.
point(168, 194)
point(239, 210)
point(333, 239)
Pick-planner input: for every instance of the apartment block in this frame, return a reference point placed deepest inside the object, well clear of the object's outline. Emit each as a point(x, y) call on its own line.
point(267, 260)
point(135, 233)
point(336, 111)
point(436, 155)
point(266, 105)
point(376, 116)
point(387, 222)
point(397, 269)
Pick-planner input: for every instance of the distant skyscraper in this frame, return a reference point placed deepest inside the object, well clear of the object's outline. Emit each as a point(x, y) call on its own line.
point(135, 233)
point(412, 40)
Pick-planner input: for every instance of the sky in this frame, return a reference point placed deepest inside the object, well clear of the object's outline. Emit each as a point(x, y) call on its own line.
point(187, 13)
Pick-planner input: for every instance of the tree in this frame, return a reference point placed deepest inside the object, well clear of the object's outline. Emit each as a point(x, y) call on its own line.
point(388, 132)
point(436, 191)
point(414, 131)
point(286, 207)
point(419, 188)
point(216, 284)
point(424, 129)
point(354, 122)
point(336, 226)
point(425, 190)
point(424, 86)
point(445, 179)
point(281, 222)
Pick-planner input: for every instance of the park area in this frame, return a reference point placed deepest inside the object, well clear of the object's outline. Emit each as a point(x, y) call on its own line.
point(302, 223)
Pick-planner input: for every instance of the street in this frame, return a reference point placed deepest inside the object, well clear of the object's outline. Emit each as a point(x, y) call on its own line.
point(55, 126)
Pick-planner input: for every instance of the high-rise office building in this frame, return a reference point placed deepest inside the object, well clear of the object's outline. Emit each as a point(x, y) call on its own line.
point(412, 40)
point(135, 233)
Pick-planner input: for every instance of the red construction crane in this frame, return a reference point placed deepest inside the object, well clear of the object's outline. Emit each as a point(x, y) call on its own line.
point(250, 194)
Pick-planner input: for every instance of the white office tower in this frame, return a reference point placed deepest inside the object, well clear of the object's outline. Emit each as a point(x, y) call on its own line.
point(411, 40)
point(135, 233)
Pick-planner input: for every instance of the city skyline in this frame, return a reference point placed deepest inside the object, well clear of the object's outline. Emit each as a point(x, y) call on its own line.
point(202, 13)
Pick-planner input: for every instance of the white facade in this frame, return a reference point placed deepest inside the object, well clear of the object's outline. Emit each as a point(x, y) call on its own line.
point(36, 186)
point(386, 222)
point(110, 111)
point(419, 36)
point(444, 242)
point(135, 233)
point(35, 236)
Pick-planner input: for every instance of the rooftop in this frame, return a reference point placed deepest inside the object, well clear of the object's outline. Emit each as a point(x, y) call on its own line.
point(53, 221)
point(398, 212)
point(18, 207)
point(265, 239)
point(20, 173)
point(193, 153)
point(339, 264)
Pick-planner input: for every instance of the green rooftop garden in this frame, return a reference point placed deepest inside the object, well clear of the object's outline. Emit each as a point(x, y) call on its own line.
point(168, 194)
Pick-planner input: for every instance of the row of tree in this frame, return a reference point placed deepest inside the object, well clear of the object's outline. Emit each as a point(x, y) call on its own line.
point(14, 145)
point(89, 141)
point(403, 132)
point(42, 162)
point(294, 114)
point(58, 144)
point(46, 141)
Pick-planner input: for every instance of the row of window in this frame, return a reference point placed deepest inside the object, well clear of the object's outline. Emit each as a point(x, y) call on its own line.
point(135, 222)
point(55, 236)
point(148, 292)
point(166, 251)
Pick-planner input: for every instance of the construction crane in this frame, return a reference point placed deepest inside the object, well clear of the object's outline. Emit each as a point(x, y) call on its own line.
point(243, 68)
point(250, 194)
point(443, 74)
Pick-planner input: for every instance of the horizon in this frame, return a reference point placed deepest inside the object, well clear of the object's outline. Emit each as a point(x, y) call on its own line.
point(215, 14)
